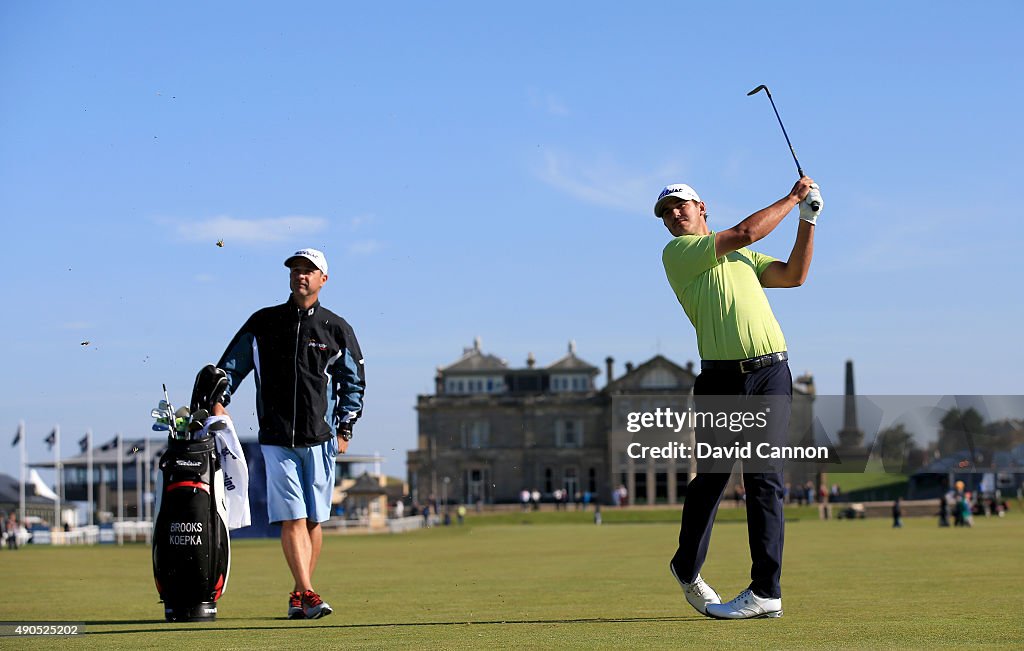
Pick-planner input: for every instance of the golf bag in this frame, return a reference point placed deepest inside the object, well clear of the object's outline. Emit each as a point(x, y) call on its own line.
point(191, 546)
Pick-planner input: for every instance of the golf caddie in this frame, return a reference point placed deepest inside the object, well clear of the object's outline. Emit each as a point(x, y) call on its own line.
point(720, 284)
point(309, 393)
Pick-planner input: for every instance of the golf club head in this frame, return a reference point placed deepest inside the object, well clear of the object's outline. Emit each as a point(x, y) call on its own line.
point(156, 413)
point(160, 427)
point(183, 412)
point(758, 90)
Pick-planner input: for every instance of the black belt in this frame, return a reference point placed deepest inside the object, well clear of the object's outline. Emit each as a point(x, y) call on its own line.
point(744, 365)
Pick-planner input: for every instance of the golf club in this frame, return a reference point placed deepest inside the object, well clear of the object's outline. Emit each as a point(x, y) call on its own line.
point(814, 205)
point(172, 417)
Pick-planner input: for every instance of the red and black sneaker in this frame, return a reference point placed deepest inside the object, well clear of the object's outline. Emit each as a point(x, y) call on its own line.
point(313, 606)
point(295, 606)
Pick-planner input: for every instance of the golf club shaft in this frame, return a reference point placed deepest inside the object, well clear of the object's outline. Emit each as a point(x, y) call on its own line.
point(814, 204)
point(171, 420)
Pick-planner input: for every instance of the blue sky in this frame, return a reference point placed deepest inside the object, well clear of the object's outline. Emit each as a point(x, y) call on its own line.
point(474, 170)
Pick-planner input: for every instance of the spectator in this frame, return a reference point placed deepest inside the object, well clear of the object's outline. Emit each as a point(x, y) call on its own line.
point(12, 531)
point(944, 510)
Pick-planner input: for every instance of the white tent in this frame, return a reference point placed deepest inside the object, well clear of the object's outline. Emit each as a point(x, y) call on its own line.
point(41, 489)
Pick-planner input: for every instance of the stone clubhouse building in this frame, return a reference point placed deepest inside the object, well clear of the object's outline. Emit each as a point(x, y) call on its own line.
point(490, 431)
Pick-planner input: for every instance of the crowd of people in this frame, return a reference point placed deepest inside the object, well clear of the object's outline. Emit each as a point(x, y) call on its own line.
point(962, 505)
point(807, 494)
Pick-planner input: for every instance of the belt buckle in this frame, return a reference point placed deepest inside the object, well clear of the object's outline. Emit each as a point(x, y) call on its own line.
point(753, 363)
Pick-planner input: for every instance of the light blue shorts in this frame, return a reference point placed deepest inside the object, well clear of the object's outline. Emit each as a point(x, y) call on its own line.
point(300, 481)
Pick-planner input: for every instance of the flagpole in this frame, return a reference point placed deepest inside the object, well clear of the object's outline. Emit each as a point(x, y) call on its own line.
point(145, 484)
point(138, 485)
point(88, 473)
point(59, 483)
point(120, 487)
point(21, 493)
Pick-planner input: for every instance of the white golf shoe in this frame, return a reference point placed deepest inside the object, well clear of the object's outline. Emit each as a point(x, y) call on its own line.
point(746, 606)
point(699, 594)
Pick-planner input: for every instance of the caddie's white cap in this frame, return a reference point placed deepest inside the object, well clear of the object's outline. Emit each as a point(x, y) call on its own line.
point(678, 190)
point(314, 256)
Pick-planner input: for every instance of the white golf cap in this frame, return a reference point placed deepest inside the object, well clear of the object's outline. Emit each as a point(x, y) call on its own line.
point(314, 256)
point(677, 190)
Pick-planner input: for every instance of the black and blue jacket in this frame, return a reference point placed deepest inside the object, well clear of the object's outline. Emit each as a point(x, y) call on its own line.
point(309, 372)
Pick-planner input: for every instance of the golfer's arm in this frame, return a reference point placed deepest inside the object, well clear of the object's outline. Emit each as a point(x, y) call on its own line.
point(793, 272)
point(754, 227)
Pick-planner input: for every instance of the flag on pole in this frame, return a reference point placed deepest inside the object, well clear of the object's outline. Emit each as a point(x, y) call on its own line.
point(89, 475)
point(17, 437)
point(110, 445)
point(84, 443)
point(21, 482)
point(51, 439)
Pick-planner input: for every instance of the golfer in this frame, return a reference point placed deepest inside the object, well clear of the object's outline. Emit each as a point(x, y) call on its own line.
point(720, 284)
point(309, 394)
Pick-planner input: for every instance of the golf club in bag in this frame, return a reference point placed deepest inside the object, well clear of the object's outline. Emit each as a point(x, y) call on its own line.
point(191, 546)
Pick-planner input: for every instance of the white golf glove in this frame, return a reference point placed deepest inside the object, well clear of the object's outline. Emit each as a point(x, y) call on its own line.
point(808, 214)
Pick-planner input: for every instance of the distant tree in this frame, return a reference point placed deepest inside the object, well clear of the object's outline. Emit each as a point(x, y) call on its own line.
point(960, 430)
point(895, 443)
point(965, 421)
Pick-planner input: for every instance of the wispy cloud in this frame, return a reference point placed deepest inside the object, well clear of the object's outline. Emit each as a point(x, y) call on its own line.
point(365, 247)
point(602, 181)
point(357, 222)
point(547, 102)
point(910, 240)
point(236, 230)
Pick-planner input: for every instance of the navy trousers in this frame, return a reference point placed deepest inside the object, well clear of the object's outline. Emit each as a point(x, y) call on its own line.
point(765, 522)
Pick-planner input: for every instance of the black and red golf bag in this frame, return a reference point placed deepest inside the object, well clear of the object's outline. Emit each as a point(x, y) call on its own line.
point(191, 546)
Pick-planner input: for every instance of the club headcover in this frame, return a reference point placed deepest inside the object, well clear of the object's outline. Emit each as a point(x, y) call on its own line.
point(210, 388)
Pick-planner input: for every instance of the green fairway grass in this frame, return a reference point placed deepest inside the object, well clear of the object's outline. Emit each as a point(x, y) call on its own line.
point(612, 515)
point(846, 584)
point(872, 484)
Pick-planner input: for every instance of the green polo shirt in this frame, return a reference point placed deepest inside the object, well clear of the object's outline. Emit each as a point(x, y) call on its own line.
point(723, 298)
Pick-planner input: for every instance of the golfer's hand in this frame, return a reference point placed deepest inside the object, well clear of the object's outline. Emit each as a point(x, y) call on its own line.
point(807, 212)
point(801, 188)
point(342, 445)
